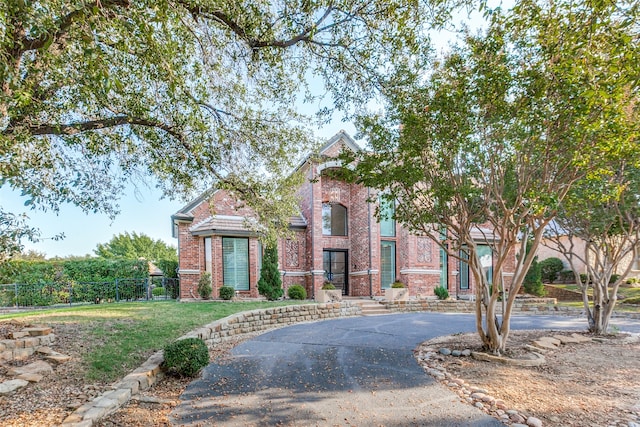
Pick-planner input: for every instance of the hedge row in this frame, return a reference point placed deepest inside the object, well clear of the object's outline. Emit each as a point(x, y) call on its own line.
point(65, 271)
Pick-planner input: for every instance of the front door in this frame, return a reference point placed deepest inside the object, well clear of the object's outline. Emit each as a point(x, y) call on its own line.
point(335, 269)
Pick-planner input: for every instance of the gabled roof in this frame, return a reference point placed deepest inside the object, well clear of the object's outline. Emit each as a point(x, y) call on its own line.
point(340, 136)
point(185, 213)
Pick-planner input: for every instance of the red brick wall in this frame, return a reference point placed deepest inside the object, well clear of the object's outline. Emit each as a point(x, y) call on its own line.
point(417, 258)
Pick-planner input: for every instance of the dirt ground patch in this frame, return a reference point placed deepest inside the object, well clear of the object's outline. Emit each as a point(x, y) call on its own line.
point(586, 384)
point(581, 384)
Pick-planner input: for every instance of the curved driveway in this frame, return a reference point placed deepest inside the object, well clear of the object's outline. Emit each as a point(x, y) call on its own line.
point(356, 371)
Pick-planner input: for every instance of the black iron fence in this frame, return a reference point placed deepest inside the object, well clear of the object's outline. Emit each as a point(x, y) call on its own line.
point(47, 294)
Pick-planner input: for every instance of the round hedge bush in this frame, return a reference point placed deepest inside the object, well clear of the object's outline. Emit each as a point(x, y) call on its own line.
point(185, 358)
point(328, 286)
point(297, 292)
point(227, 292)
point(157, 292)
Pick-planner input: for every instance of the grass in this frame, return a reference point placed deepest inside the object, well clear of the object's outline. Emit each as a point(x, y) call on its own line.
point(121, 336)
point(623, 292)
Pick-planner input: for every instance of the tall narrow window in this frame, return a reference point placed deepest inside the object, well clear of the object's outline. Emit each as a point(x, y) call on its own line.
point(334, 219)
point(207, 255)
point(235, 255)
point(387, 263)
point(464, 271)
point(444, 271)
point(485, 255)
point(387, 223)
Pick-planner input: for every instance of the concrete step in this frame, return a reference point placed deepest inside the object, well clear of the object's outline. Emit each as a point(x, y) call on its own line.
point(373, 308)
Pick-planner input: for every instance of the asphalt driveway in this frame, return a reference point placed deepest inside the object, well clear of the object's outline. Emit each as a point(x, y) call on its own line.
point(354, 371)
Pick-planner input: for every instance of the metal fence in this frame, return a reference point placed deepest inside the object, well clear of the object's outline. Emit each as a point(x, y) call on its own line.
point(48, 294)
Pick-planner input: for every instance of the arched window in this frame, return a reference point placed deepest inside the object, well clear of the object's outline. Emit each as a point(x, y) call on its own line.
point(334, 219)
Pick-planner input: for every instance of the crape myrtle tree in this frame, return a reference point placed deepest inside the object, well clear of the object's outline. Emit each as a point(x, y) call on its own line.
point(603, 215)
point(484, 148)
point(194, 93)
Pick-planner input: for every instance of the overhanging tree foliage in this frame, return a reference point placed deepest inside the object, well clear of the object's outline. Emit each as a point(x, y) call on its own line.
point(486, 148)
point(198, 94)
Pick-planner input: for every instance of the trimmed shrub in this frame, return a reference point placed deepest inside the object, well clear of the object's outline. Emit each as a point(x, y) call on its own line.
point(227, 292)
point(328, 286)
point(297, 292)
point(583, 278)
point(613, 278)
point(204, 285)
point(566, 276)
point(158, 292)
point(270, 283)
point(632, 300)
point(185, 358)
point(532, 280)
point(441, 292)
point(397, 285)
point(550, 268)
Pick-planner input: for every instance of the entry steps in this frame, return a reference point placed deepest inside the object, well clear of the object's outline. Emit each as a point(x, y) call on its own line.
point(372, 307)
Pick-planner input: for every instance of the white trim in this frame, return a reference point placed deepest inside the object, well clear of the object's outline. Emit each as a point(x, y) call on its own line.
point(508, 274)
point(419, 271)
point(363, 273)
point(188, 271)
point(316, 272)
point(294, 273)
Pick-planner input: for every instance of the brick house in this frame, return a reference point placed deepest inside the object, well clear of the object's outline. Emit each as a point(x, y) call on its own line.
point(336, 237)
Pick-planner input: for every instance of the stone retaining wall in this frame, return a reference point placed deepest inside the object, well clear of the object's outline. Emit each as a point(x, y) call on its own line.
point(25, 343)
point(460, 306)
point(251, 321)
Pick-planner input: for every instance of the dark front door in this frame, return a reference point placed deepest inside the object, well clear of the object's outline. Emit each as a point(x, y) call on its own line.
point(335, 269)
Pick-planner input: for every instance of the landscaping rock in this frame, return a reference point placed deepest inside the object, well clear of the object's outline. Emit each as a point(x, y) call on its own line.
point(534, 422)
point(545, 345)
point(37, 332)
point(57, 358)
point(445, 351)
point(456, 353)
point(32, 378)
point(579, 338)
point(37, 367)
point(10, 386)
point(551, 340)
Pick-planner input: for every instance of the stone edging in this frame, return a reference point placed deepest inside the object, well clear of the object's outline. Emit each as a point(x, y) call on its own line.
point(216, 332)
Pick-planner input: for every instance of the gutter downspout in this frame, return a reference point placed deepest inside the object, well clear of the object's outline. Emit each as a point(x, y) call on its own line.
point(313, 232)
point(370, 242)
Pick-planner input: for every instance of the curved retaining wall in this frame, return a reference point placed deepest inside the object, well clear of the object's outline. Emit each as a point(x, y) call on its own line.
point(461, 306)
point(215, 332)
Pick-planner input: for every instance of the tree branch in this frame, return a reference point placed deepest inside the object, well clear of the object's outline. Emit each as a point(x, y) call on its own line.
point(85, 126)
point(63, 25)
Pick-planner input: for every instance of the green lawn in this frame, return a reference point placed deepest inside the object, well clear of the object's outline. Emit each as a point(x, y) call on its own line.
point(119, 337)
point(623, 292)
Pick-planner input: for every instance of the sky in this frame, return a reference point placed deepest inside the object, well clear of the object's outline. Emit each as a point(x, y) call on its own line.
point(142, 209)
